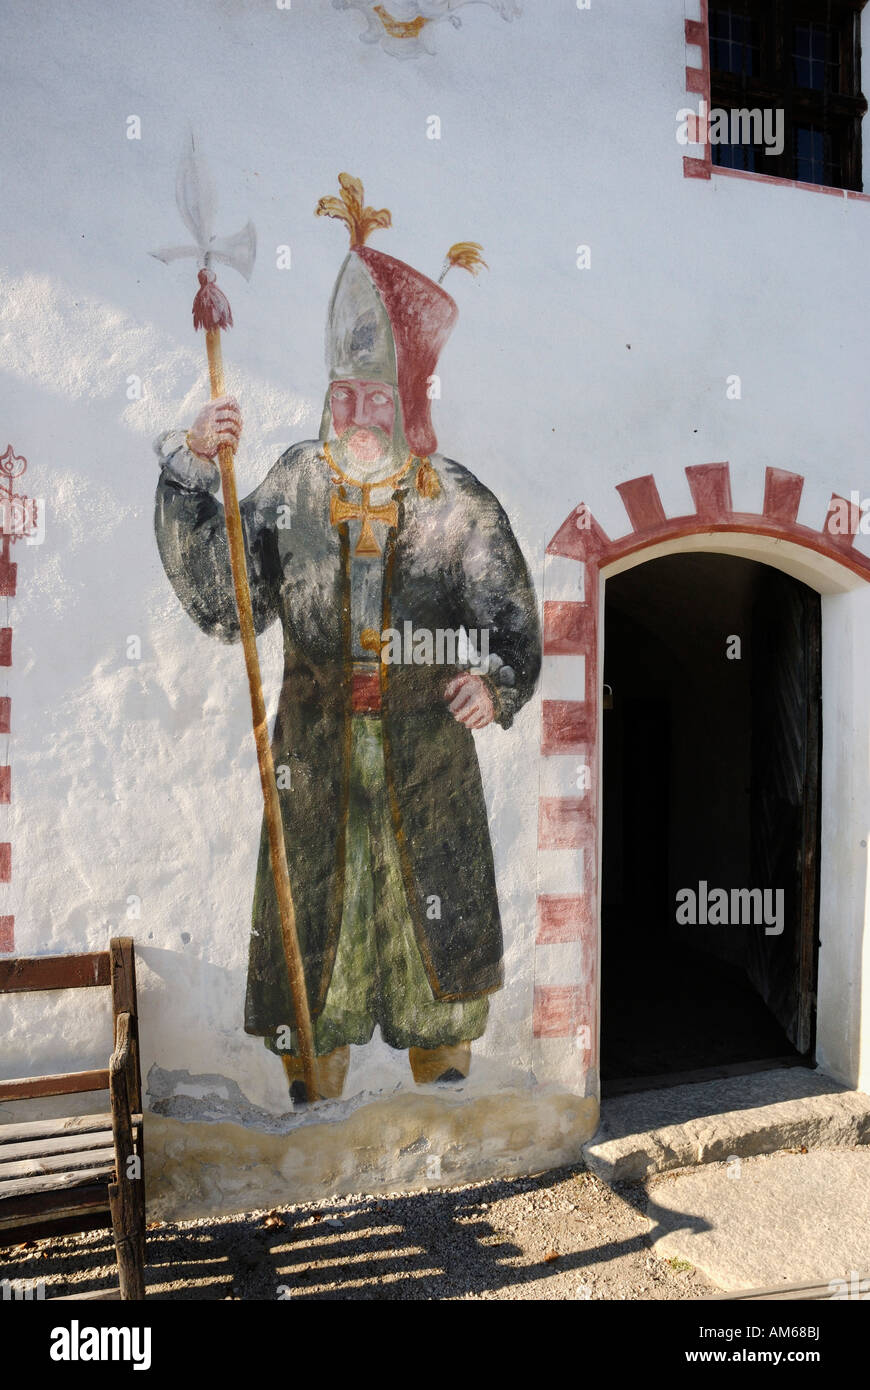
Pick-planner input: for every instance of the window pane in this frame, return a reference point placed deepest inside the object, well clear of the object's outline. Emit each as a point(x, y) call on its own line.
point(818, 156)
point(734, 45)
point(815, 57)
point(809, 154)
point(736, 157)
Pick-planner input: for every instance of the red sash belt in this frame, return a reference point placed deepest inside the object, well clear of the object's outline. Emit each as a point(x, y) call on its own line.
point(366, 692)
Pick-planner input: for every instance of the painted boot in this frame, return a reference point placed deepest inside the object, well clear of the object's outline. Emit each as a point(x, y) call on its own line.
point(331, 1071)
point(444, 1064)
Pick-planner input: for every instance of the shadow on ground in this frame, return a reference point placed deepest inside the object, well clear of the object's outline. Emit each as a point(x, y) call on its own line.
point(559, 1235)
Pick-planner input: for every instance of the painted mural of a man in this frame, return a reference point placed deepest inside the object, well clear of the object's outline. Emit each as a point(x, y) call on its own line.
point(363, 530)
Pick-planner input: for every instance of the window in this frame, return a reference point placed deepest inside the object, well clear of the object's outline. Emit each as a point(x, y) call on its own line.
point(734, 45)
point(799, 63)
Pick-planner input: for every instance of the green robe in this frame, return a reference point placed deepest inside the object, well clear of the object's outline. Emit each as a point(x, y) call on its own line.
point(451, 560)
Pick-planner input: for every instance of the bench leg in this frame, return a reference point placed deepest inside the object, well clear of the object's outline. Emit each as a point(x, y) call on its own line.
point(128, 1227)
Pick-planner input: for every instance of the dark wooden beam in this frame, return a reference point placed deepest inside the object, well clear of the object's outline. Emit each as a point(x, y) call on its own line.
point(69, 1083)
point(54, 972)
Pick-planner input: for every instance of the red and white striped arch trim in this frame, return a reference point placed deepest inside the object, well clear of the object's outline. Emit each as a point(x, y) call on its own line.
point(17, 520)
point(566, 954)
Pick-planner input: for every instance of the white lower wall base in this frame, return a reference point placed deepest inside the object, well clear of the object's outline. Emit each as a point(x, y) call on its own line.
point(197, 1169)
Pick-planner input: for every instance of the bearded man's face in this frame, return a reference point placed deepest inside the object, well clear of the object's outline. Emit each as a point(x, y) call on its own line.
point(363, 415)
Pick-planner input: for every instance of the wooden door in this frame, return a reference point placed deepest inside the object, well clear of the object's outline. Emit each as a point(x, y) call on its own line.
point(786, 757)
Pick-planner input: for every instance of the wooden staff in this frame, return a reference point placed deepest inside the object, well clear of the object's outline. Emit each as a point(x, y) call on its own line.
point(196, 198)
point(210, 314)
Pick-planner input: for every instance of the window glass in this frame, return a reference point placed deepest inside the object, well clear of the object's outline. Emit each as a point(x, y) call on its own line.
point(734, 45)
point(817, 157)
point(736, 157)
point(815, 60)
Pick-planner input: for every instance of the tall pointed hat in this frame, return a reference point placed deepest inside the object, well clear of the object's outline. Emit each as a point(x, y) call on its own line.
point(387, 322)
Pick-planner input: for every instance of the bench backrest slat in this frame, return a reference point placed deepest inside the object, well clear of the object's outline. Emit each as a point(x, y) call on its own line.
point(65, 1084)
point(115, 968)
point(55, 972)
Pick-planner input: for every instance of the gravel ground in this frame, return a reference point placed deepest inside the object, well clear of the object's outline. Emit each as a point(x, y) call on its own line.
point(560, 1235)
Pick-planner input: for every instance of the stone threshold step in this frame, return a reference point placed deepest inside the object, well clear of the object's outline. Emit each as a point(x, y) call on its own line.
point(711, 1121)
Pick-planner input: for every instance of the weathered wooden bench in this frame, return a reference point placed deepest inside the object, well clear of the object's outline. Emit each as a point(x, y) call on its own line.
point(84, 1172)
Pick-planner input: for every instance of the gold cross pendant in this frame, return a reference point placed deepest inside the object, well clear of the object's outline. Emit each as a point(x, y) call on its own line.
point(342, 510)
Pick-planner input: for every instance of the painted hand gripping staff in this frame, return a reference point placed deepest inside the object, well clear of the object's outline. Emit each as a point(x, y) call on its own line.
point(409, 621)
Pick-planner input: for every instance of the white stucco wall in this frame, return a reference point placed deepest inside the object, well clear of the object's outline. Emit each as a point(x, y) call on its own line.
point(138, 777)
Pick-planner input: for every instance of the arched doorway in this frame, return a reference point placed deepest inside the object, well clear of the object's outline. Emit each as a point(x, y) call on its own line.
point(582, 561)
point(710, 780)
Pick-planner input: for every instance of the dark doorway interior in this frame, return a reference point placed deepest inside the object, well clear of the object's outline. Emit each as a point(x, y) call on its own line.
point(711, 777)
